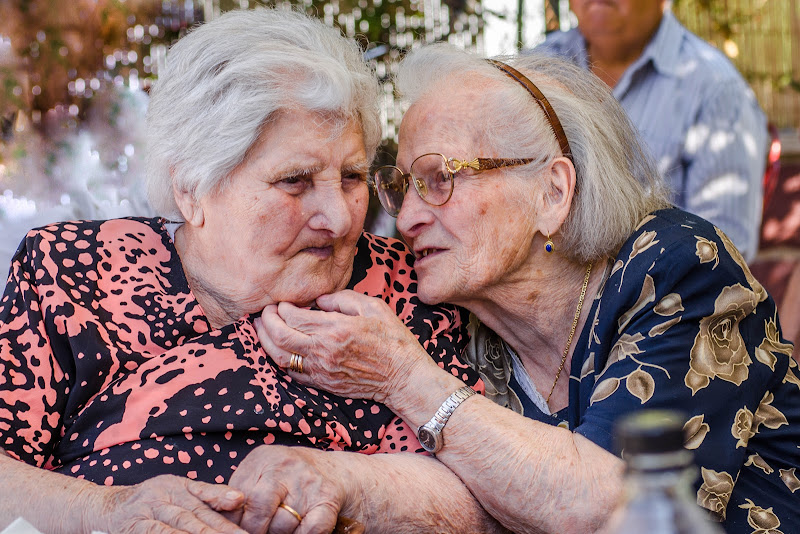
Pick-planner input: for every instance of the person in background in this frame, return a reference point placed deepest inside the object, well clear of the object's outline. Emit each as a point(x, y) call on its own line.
point(693, 109)
point(528, 198)
point(134, 394)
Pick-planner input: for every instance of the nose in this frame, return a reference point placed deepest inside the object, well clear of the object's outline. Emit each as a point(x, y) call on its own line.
point(332, 211)
point(414, 214)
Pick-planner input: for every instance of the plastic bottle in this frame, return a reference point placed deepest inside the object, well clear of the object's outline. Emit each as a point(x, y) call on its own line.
point(658, 497)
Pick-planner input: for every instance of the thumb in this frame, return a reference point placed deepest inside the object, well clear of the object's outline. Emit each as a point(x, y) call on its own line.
point(217, 496)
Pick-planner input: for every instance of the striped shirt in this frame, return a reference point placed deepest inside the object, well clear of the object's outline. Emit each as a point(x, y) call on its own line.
point(701, 122)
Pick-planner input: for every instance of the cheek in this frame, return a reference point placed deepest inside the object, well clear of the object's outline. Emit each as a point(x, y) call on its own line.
point(276, 228)
point(503, 240)
point(358, 208)
point(496, 218)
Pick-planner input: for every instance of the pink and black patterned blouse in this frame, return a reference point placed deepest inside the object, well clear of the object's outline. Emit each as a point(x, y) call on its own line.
point(110, 371)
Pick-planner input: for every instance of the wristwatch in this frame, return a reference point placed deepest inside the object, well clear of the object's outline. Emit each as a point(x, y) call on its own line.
point(430, 434)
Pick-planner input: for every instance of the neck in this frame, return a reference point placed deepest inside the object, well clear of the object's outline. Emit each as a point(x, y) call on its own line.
point(610, 55)
point(538, 327)
point(221, 307)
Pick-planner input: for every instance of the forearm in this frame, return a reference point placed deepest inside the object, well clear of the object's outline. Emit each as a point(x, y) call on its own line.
point(405, 492)
point(51, 502)
point(531, 476)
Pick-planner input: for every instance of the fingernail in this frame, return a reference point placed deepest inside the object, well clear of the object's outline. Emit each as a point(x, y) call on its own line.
point(257, 322)
point(233, 495)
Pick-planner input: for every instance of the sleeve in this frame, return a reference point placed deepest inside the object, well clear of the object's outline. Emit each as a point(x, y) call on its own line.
point(689, 329)
point(725, 154)
point(33, 387)
point(400, 437)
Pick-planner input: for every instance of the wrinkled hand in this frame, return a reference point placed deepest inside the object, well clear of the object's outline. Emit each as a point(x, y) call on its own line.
point(166, 504)
point(308, 480)
point(355, 347)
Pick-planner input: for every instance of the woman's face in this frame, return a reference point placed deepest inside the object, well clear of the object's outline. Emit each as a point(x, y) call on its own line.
point(481, 238)
point(285, 226)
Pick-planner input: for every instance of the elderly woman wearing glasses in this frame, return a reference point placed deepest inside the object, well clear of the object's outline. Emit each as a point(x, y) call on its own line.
point(528, 199)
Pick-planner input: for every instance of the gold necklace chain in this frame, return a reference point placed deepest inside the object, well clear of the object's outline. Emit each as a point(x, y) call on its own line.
point(572, 331)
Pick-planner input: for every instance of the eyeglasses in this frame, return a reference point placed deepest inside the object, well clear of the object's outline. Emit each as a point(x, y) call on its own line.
point(432, 175)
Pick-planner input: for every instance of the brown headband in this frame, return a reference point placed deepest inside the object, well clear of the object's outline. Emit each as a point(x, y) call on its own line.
point(538, 96)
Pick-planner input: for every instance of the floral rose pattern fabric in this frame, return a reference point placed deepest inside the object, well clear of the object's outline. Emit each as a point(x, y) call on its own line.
point(110, 371)
point(682, 323)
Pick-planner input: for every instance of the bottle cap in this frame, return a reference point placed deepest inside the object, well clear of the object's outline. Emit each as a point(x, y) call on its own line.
point(650, 432)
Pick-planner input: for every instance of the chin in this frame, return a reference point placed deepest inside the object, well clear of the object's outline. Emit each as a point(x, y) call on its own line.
point(317, 288)
point(429, 295)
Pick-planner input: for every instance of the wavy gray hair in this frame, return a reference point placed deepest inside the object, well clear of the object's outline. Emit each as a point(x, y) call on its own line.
point(227, 79)
point(617, 181)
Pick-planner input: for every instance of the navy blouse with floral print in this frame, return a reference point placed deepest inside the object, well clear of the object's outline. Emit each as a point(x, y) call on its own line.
point(681, 323)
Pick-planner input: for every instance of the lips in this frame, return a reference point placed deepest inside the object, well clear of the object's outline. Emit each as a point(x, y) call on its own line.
point(425, 252)
point(323, 251)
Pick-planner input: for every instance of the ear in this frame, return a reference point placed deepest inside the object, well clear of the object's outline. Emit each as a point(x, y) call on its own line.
point(190, 208)
point(558, 190)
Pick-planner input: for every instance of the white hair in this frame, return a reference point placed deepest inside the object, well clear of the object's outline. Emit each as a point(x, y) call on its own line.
point(617, 181)
point(226, 80)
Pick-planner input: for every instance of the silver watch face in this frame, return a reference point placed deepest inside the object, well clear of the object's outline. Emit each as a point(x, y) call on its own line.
point(427, 439)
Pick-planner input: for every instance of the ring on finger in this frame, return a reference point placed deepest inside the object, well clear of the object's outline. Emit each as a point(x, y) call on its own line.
point(290, 509)
point(296, 363)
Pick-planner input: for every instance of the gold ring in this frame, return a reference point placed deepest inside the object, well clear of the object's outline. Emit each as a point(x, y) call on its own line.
point(289, 508)
point(296, 363)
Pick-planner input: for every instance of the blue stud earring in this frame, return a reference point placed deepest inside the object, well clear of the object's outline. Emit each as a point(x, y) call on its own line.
point(548, 245)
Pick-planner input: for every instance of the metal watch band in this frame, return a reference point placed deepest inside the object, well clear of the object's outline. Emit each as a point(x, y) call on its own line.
point(433, 428)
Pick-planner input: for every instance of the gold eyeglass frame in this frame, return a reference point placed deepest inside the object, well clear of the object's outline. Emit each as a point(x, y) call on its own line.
point(454, 165)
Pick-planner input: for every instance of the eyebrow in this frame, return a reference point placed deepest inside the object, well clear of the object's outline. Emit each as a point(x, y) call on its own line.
point(362, 167)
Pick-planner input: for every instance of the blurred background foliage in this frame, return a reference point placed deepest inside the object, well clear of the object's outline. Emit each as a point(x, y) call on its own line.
point(762, 38)
point(56, 54)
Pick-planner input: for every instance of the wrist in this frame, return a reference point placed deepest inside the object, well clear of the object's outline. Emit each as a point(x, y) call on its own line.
point(96, 505)
point(347, 470)
point(431, 433)
point(423, 389)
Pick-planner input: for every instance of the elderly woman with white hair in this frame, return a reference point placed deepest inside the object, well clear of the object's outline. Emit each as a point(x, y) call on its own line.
point(132, 382)
point(527, 198)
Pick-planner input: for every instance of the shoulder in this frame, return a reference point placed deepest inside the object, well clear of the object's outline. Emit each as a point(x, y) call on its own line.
point(677, 256)
point(681, 305)
point(96, 250)
point(93, 230)
point(384, 268)
point(682, 237)
point(568, 44)
point(700, 60)
point(669, 232)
